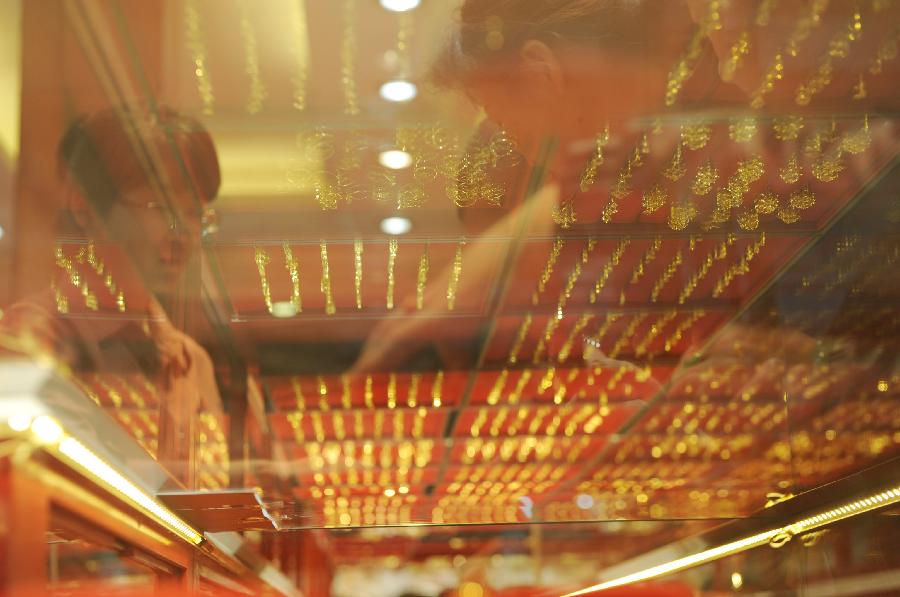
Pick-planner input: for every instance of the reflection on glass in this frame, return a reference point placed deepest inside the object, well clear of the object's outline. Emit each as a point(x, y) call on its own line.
point(577, 286)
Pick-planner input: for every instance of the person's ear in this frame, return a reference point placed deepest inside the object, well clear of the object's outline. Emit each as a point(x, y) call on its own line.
point(540, 67)
point(81, 212)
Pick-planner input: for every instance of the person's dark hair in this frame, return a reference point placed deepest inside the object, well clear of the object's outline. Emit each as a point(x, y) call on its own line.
point(106, 154)
point(491, 29)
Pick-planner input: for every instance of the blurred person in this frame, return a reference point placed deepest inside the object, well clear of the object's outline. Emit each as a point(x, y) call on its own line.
point(139, 181)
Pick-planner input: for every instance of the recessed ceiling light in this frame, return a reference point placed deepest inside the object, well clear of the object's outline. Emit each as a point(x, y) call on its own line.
point(398, 91)
point(396, 225)
point(399, 5)
point(284, 309)
point(395, 159)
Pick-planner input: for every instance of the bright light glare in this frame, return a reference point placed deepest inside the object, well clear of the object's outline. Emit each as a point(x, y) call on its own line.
point(737, 581)
point(46, 429)
point(284, 309)
point(390, 492)
point(396, 225)
point(395, 159)
point(399, 5)
point(398, 91)
point(19, 422)
point(403, 489)
point(76, 451)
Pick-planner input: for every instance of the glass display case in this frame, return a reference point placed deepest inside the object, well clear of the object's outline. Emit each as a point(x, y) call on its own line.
point(449, 297)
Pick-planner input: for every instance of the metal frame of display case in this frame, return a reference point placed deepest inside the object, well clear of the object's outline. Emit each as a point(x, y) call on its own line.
point(41, 483)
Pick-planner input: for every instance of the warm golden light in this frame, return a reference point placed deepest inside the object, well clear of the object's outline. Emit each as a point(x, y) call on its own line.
point(92, 466)
point(776, 537)
point(46, 430)
point(19, 422)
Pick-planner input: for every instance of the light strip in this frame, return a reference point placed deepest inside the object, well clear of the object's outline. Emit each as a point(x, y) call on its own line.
point(785, 533)
point(92, 466)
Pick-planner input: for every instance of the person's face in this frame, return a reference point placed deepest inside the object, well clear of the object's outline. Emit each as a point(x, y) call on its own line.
point(159, 241)
point(566, 94)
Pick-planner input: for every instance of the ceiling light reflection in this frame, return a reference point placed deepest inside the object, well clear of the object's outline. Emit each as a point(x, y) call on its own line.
point(399, 5)
point(398, 91)
point(396, 225)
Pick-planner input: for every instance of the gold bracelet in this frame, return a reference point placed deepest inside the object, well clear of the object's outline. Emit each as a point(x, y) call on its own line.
point(89, 254)
point(614, 260)
point(455, 272)
point(579, 326)
point(676, 167)
point(251, 61)
point(791, 171)
point(742, 130)
point(838, 47)
point(295, 420)
point(748, 219)
point(622, 187)
point(358, 271)
point(704, 179)
point(421, 279)
point(516, 396)
point(654, 198)
point(887, 51)
point(392, 391)
point(827, 168)
point(590, 171)
point(681, 215)
point(325, 284)
point(596, 341)
point(627, 334)
point(764, 12)
point(687, 63)
point(717, 254)
point(695, 136)
point(645, 260)
point(666, 276)
point(348, 58)
point(298, 393)
point(654, 331)
point(369, 394)
point(766, 203)
point(803, 198)
point(346, 393)
point(787, 128)
point(740, 268)
point(322, 389)
point(520, 338)
point(549, 329)
point(301, 53)
point(412, 394)
point(858, 141)
point(558, 244)
point(399, 425)
point(293, 268)
point(437, 389)
point(392, 262)
point(566, 293)
point(496, 391)
point(197, 48)
point(739, 49)
point(337, 421)
point(77, 280)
